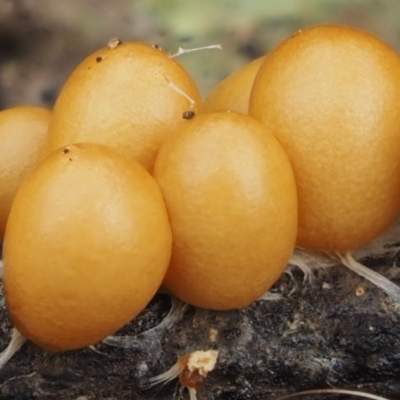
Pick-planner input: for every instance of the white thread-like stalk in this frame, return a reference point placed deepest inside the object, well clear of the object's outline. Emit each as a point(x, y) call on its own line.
point(16, 341)
point(181, 50)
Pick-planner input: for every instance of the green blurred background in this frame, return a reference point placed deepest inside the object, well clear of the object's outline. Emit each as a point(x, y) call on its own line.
point(41, 41)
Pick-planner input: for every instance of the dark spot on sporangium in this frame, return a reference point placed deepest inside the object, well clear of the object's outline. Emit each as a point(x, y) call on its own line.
point(188, 114)
point(65, 150)
point(156, 46)
point(70, 159)
point(99, 58)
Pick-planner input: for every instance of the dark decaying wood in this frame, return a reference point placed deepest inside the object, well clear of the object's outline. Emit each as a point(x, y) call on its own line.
point(337, 331)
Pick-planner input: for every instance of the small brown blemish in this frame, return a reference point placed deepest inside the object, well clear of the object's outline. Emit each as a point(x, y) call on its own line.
point(70, 159)
point(188, 114)
point(99, 58)
point(191, 369)
point(113, 43)
point(296, 33)
point(156, 46)
point(192, 379)
point(66, 150)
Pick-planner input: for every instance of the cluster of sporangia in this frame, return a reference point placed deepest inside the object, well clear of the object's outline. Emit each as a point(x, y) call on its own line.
point(132, 181)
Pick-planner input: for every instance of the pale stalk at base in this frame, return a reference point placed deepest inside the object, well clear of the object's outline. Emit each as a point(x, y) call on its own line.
point(17, 340)
point(379, 280)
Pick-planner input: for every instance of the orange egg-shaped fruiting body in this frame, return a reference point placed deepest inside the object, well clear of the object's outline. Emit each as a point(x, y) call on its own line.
point(86, 247)
point(232, 203)
point(233, 93)
point(23, 132)
point(129, 96)
point(331, 96)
